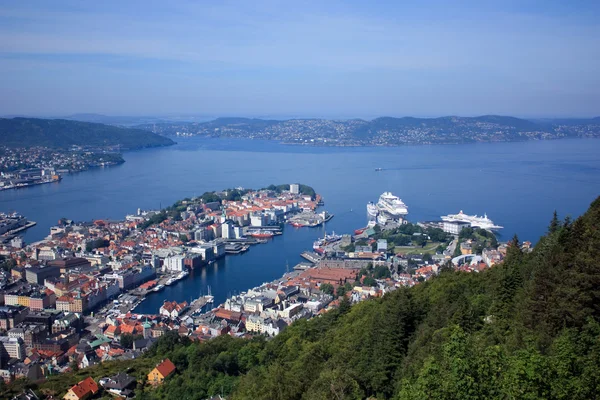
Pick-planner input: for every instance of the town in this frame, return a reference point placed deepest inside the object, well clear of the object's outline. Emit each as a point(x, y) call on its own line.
point(384, 131)
point(27, 166)
point(68, 301)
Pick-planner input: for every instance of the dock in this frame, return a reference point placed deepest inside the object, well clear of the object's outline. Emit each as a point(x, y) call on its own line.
point(311, 256)
point(198, 304)
point(21, 228)
point(303, 266)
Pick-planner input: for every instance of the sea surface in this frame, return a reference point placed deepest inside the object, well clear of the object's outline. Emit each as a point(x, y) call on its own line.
point(518, 185)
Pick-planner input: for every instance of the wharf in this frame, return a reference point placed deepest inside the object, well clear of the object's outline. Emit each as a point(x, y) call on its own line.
point(311, 256)
point(21, 228)
point(303, 266)
point(198, 304)
point(235, 248)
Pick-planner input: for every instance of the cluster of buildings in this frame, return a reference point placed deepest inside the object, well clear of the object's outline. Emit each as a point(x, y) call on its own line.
point(382, 131)
point(93, 274)
point(27, 166)
point(120, 385)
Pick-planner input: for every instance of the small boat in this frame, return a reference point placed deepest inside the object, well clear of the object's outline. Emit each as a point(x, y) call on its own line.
point(378, 169)
point(158, 288)
point(209, 297)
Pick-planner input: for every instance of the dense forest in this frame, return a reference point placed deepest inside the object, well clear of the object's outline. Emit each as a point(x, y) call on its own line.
point(60, 133)
point(526, 329)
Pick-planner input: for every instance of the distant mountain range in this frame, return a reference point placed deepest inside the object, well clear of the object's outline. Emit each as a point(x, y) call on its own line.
point(385, 130)
point(129, 121)
point(60, 133)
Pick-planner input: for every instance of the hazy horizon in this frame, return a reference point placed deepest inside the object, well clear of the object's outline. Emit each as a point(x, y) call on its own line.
point(201, 117)
point(334, 60)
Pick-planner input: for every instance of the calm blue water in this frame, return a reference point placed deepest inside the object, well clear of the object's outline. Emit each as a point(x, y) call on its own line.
point(518, 184)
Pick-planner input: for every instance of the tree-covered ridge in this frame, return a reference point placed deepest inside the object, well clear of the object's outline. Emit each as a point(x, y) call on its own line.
point(528, 328)
point(385, 130)
point(60, 133)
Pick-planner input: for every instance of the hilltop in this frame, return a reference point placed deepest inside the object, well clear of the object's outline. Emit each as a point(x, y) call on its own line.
point(60, 133)
point(385, 131)
point(527, 328)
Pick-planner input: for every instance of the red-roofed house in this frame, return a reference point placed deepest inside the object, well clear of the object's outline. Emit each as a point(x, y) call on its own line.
point(83, 390)
point(172, 309)
point(112, 331)
point(163, 370)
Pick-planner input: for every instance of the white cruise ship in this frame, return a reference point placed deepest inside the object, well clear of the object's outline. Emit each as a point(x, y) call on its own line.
point(371, 211)
point(475, 221)
point(392, 205)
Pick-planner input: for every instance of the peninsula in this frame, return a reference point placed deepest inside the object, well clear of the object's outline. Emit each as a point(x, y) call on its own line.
point(37, 151)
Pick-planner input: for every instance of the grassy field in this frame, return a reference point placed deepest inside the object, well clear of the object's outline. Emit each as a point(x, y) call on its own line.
point(428, 249)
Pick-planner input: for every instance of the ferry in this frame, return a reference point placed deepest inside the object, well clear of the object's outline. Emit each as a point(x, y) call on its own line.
point(262, 234)
point(475, 221)
point(327, 239)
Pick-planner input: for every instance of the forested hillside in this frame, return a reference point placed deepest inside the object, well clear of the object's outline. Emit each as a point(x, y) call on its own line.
point(60, 133)
point(385, 131)
point(526, 329)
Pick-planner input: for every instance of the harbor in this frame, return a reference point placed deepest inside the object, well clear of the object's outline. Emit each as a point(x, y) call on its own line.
point(11, 225)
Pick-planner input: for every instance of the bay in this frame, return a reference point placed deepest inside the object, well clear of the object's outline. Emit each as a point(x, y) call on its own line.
point(518, 185)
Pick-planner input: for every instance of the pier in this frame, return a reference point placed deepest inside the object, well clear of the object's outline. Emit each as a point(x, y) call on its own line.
point(198, 304)
point(311, 256)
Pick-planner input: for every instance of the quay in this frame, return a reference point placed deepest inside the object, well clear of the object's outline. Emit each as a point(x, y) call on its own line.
point(311, 256)
point(22, 228)
point(197, 305)
point(303, 266)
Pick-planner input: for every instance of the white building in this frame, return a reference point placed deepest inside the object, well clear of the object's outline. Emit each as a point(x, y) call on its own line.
point(295, 188)
point(219, 248)
point(257, 220)
point(227, 231)
point(174, 263)
point(454, 227)
point(205, 250)
point(238, 231)
point(290, 311)
point(12, 347)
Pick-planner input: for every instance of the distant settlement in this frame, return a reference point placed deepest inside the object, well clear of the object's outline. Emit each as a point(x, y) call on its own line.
point(22, 167)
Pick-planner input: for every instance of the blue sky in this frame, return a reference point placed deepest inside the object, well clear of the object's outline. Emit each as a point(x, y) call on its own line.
point(305, 59)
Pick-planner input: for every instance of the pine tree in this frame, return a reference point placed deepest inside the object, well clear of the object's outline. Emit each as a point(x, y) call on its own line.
point(554, 224)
